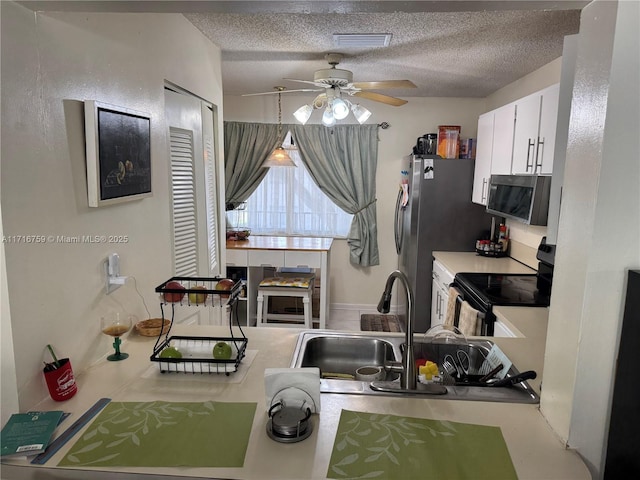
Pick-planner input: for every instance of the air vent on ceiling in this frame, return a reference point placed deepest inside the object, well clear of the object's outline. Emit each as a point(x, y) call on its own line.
point(361, 40)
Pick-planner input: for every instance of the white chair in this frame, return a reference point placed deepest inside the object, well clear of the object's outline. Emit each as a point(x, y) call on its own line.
point(300, 286)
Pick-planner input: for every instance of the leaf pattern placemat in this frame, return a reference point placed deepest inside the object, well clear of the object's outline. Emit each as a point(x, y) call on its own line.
point(165, 434)
point(369, 445)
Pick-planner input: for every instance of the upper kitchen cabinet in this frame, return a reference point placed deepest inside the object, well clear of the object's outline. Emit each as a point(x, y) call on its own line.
point(494, 149)
point(535, 132)
point(482, 169)
point(503, 132)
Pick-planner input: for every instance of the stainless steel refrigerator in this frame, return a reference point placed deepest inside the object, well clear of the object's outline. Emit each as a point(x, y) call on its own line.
point(436, 215)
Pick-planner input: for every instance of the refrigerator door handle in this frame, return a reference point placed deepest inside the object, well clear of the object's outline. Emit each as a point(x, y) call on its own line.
point(397, 223)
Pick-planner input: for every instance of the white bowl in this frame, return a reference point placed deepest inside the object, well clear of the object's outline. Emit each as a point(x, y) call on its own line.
point(370, 373)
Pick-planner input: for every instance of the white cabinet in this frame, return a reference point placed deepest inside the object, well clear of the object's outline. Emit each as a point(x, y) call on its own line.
point(535, 132)
point(494, 149)
point(501, 330)
point(548, 127)
point(503, 131)
point(516, 138)
point(442, 278)
point(482, 167)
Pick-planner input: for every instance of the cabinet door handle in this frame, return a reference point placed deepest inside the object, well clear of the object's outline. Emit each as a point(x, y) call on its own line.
point(530, 146)
point(484, 194)
point(438, 303)
point(539, 155)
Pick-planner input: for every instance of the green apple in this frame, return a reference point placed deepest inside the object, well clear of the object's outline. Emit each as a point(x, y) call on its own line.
point(170, 352)
point(222, 351)
point(198, 297)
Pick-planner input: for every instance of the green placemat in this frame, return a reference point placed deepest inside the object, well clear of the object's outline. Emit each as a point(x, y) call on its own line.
point(165, 434)
point(392, 447)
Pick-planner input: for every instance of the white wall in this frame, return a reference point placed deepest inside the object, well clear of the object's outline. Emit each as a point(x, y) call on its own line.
point(51, 62)
point(599, 230)
point(9, 388)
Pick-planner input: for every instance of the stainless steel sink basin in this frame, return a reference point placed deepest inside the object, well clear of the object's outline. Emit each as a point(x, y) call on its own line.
point(339, 355)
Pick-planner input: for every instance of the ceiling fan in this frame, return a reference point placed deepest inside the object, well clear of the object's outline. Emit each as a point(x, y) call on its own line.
point(336, 83)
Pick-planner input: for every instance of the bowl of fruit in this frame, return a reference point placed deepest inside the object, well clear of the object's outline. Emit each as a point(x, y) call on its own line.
point(238, 234)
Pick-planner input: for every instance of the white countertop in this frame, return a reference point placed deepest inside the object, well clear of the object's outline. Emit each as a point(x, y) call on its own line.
point(535, 450)
point(457, 262)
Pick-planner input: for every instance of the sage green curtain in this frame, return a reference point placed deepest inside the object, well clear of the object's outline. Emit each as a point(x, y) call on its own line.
point(246, 147)
point(343, 160)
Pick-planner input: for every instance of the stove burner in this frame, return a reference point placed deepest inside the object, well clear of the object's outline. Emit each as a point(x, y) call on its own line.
point(505, 289)
point(289, 424)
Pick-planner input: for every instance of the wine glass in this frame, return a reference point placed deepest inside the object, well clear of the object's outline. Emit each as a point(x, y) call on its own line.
point(116, 326)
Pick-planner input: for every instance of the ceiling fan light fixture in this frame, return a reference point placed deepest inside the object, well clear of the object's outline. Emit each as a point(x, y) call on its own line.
point(360, 112)
point(328, 120)
point(303, 114)
point(279, 158)
point(340, 109)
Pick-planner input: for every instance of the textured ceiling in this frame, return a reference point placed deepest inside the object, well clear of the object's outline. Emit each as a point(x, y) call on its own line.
point(446, 54)
point(460, 48)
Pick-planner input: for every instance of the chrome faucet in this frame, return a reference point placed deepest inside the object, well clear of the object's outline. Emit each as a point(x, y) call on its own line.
point(408, 373)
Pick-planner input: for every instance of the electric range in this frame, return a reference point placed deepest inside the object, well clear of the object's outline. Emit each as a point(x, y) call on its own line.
point(483, 291)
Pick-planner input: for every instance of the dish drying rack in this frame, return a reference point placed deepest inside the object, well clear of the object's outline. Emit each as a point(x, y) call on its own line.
point(197, 351)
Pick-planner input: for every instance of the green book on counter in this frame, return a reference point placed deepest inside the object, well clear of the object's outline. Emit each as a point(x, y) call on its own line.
point(28, 433)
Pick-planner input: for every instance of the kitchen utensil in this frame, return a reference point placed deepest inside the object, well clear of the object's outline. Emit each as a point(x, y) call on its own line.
point(421, 145)
point(449, 366)
point(505, 382)
point(431, 143)
point(463, 361)
point(494, 358)
point(520, 377)
point(491, 374)
point(56, 363)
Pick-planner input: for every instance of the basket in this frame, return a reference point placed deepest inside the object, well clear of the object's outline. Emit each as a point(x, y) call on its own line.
point(153, 327)
point(197, 355)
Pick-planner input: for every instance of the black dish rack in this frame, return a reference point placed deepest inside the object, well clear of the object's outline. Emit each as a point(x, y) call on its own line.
point(198, 351)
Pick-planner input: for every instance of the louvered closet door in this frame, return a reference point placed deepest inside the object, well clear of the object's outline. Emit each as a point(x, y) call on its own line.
point(194, 217)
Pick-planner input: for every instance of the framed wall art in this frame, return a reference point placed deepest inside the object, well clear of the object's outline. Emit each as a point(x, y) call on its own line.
point(118, 143)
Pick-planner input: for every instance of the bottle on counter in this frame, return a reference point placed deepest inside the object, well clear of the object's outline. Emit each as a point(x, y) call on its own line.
point(502, 237)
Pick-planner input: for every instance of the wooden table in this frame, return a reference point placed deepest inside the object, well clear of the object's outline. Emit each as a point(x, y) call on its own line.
point(258, 252)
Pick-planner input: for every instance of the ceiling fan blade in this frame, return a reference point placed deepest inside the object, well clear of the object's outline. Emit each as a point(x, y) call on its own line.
point(283, 91)
point(378, 97)
point(301, 81)
point(384, 84)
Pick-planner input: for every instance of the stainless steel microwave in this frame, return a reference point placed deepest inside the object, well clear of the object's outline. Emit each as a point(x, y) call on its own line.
point(521, 197)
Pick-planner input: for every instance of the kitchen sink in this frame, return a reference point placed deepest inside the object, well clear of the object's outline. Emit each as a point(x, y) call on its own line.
point(338, 355)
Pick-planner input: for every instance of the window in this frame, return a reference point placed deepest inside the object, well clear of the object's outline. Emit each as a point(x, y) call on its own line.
point(288, 202)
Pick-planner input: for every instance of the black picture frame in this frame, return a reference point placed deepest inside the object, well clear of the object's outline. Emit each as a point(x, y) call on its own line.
point(118, 146)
